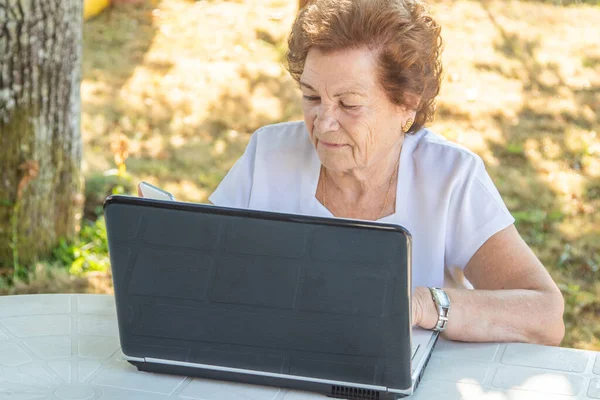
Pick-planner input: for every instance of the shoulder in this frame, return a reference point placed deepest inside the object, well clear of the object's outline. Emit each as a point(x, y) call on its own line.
point(434, 154)
point(286, 146)
point(287, 135)
point(283, 166)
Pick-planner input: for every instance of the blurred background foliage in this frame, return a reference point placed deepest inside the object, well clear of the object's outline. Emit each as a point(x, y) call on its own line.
point(172, 89)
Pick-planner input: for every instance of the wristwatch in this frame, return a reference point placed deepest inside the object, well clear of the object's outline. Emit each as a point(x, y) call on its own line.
point(442, 303)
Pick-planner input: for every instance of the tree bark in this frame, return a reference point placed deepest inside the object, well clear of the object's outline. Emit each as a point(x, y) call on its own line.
point(40, 141)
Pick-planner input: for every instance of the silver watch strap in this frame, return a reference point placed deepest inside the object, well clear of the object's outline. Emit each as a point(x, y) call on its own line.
point(442, 303)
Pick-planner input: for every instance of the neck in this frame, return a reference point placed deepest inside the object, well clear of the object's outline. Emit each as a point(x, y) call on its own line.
point(368, 194)
point(354, 184)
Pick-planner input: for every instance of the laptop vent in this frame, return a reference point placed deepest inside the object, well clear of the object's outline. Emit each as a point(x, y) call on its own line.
point(345, 392)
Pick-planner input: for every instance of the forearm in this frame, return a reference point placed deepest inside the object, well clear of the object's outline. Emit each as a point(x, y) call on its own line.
point(516, 315)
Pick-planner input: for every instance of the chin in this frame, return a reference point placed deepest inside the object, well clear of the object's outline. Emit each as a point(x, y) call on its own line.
point(333, 164)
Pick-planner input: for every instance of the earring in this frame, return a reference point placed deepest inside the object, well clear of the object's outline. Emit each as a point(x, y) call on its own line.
point(407, 125)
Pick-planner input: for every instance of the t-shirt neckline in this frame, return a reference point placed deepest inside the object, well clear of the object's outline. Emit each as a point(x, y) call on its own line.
point(315, 206)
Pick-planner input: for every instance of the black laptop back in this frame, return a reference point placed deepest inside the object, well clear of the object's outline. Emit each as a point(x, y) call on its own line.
point(272, 293)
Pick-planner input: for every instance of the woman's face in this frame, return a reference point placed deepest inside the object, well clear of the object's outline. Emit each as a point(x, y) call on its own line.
point(351, 122)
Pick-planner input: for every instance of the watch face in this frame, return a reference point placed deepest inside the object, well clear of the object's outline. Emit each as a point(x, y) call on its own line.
point(440, 297)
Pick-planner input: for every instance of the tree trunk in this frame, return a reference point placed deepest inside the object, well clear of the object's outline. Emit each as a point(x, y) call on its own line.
point(40, 141)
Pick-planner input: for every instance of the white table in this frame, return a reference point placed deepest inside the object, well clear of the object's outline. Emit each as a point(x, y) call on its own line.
point(66, 347)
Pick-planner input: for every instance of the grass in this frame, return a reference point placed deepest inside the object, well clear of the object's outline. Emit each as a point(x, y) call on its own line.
point(172, 90)
point(527, 102)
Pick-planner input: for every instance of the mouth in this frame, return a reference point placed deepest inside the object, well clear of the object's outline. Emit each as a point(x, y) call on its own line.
point(331, 145)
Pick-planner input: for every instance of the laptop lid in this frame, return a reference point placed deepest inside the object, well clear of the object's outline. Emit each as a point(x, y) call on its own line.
point(282, 294)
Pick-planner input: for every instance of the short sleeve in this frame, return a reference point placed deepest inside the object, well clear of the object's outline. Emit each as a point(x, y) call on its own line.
point(236, 188)
point(476, 212)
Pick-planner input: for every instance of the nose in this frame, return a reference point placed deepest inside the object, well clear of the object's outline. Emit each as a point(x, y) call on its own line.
point(326, 119)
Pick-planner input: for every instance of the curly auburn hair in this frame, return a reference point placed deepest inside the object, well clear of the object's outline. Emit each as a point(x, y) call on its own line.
point(404, 36)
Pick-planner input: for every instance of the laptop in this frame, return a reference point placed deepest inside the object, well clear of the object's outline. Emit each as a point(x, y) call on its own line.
point(293, 301)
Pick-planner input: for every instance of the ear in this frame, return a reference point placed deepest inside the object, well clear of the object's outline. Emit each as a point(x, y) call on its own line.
point(404, 113)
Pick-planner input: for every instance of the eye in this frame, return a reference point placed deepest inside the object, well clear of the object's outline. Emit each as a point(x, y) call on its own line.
point(349, 106)
point(311, 98)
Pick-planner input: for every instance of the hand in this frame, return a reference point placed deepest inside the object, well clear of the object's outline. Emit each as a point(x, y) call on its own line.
point(417, 308)
point(424, 313)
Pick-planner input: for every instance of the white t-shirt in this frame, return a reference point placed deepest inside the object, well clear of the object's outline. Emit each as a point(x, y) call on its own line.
point(444, 198)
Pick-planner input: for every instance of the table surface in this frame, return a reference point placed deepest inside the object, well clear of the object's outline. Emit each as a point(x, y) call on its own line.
point(66, 347)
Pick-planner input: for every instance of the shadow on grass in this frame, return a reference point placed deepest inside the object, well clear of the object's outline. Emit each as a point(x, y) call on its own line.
point(116, 41)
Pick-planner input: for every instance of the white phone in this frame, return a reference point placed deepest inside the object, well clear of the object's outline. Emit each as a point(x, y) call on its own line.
point(149, 191)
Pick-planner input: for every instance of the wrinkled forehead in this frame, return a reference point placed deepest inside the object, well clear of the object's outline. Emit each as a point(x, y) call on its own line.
point(349, 69)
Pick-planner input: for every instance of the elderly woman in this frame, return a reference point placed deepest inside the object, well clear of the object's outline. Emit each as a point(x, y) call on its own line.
point(369, 71)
